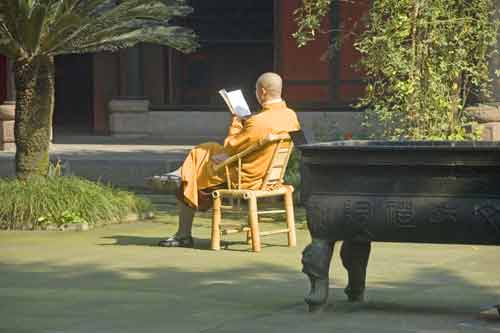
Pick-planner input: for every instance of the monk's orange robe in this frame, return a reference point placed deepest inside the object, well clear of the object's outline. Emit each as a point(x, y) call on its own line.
point(197, 171)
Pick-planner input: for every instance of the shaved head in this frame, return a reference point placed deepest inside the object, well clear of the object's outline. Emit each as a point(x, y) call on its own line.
point(272, 83)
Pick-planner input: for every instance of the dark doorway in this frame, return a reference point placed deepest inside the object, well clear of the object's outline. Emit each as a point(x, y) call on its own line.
point(73, 106)
point(236, 46)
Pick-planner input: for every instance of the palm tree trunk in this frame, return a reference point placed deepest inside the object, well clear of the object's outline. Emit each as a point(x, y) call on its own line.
point(34, 80)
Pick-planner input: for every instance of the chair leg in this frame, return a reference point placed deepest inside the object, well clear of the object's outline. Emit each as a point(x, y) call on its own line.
point(249, 237)
point(290, 219)
point(216, 218)
point(253, 221)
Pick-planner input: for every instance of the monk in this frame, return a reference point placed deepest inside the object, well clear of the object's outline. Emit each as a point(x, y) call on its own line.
point(197, 177)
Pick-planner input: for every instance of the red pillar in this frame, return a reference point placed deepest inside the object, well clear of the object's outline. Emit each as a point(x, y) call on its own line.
point(347, 80)
point(317, 74)
point(305, 71)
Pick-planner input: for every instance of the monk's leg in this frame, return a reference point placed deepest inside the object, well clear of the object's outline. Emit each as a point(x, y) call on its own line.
point(182, 237)
point(186, 216)
point(197, 172)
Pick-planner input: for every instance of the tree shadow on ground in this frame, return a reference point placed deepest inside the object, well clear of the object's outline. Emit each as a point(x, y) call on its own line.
point(126, 297)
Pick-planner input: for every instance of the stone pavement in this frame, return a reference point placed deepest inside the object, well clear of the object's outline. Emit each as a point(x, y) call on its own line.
point(114, 279)
point(123, 162)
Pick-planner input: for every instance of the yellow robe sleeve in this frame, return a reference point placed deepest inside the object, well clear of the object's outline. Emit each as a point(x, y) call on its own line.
point(235, 127)
point(242, 136)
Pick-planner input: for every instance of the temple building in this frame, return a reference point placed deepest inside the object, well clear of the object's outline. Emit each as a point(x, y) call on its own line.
point(152, 90)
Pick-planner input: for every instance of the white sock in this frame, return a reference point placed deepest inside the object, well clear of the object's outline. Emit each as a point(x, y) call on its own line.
point(176, 173)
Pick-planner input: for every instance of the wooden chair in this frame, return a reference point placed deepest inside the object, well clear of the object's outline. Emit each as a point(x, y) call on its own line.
point(272, 186)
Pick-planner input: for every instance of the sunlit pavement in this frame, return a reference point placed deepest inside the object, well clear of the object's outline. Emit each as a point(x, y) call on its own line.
point(115, 279)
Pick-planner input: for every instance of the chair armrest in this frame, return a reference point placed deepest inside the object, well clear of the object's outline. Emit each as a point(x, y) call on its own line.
point(262, 142)
point(231, 160)
point(235, 158)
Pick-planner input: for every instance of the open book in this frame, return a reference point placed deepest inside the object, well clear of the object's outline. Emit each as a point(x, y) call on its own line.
point(236, 103)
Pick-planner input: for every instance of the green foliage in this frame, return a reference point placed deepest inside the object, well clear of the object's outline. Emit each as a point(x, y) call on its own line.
point(63, 200)
point(59, 168)
point(51, 27)
point(308, 18)
point(55, 169)
point(66, 217)
point(292, 175)
point(423, 58)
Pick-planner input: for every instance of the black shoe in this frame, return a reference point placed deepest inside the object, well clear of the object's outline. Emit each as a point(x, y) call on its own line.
point(490, 312)
point(355, 295)
point(176, 241)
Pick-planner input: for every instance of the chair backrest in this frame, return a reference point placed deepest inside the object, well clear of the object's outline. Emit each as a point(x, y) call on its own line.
point(275, 172)
point(279, 161)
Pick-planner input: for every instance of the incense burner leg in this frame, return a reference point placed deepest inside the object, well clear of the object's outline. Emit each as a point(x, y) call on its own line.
point(355, 255)
point(316, 259)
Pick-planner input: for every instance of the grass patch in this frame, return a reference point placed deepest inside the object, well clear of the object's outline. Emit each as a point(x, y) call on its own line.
point(64, 200)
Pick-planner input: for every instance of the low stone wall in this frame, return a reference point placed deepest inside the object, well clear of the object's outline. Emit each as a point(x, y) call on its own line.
point(134, 118)
point(488, 117)
point(212, 125)
point(7, 112)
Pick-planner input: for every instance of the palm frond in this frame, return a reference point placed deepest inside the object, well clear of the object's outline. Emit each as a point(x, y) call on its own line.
point(51, 27)
point(61, 29)
point(6, 47)
point(34, 24)
point(10, 44)
point(93, 7)
point(105, 25)
point(172, 36)
point(9, 12)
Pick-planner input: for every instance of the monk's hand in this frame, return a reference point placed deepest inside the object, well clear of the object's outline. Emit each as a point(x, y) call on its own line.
point(219, 158)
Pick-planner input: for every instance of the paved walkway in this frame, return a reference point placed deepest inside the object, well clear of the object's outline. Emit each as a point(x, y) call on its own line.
point(121, 161)
point(114, 279)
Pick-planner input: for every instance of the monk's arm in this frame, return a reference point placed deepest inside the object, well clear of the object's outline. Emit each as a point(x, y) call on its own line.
point(235, 128)
point(241, 137)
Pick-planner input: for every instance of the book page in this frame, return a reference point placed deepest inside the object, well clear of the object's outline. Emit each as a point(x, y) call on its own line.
point(223, 93)
point(238, 103)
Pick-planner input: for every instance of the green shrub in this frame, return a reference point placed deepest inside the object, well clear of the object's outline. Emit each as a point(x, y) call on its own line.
point(292, 175)
point(423, 60)
point(63, 200)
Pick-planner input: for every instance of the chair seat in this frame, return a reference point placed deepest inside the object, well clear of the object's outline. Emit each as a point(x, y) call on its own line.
point(282, 190)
